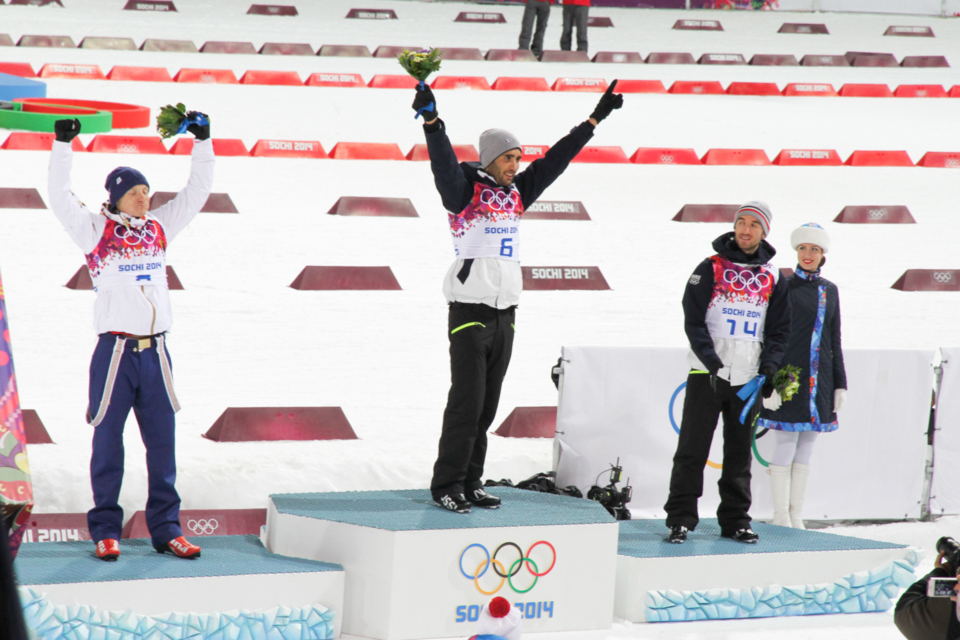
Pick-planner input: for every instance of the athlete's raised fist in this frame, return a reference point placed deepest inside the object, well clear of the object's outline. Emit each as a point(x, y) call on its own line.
point(66, 130)
point(425, 104)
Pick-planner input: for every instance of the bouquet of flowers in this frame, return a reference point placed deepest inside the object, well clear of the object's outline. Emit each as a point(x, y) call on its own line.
point(420, 64)
point(175, 119)
point(787, 381)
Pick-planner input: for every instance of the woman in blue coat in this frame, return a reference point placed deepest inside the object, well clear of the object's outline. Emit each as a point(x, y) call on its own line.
point(815, 349)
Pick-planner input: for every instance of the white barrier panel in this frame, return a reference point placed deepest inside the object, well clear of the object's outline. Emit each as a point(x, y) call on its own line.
point(624, 401)
point(916, 7)
point(945, 492)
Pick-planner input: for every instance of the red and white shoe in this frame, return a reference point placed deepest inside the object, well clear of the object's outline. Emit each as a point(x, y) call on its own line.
point(108, 550)
point(180, 548)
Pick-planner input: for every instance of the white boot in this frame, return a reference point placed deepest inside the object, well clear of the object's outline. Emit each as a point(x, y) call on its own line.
point(798, 486)
point(780, 489)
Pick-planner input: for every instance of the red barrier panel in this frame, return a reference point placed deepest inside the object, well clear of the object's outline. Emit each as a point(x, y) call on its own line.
point(140, 74)
point(866, 91)
point(563, 279)
point(698, 25)
point(462, 53)
point(228, 47)
point(599, 21)
point(808, 158)
point(875, 215)
point(5, 39)
point(345, 51)
point(824, 61)
point(149, 5)
point(288, 78)
point(216, 202)
point(61, 42)
point(383, 81)
point(511, 55)
point(20, 198)
point(36, 3)
point(589, 85)
point(529, 422)
point(206, 76)
point(33, 428)
point(645, 155)
point(670, 58)
point(35, 141)
point(80, 281)
point(125, 116)
point(564, 56)
point(705, 87)
point(721, 58)
point(533, 152)
point(879, 159)
point(475, 16)
point(796, 27)
point(619, 57)
point(464, 152)
point(72, 71)
point(763, 60)
point(753, 89)
point(56, 527)
point(286, 49)
point(813, 90)
point(200, 523)
point(121, 44)
point(169, 46)
point(924, 61)
point(475, 83)
point(288, 149)
point(272, 10)
point(246, 424)
point(940, 160)
point(22, 69)
point(335, 80)
point(556, 210)
point(640, 86)
point(392, 51)
point(736, 156)
point(601, 154)
point(955, 91)
point(873, 60)
point(366, 151)
point(346, 279)
point(372, 14)
point(929, 280)
point(520, 84)
point(920, 91)
point(707, 213)
point(126, 144)
point(922, 32)
point(374, 207)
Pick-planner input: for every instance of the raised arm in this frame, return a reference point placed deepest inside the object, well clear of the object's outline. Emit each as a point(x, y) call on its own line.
point(83, 226)
point(455, 190)
point(177, 214)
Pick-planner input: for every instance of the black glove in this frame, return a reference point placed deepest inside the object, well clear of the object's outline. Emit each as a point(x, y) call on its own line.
point(66, 130)
point(608, 102)
point(767, 389)
point(713, 369)
point(425, 104)
point(200, 132)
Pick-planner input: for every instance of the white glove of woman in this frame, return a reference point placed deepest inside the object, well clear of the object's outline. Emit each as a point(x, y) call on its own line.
point(773, 402)
point(839, 399)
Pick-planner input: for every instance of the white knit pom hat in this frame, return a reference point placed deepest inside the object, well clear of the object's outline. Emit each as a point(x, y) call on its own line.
point(810, 233)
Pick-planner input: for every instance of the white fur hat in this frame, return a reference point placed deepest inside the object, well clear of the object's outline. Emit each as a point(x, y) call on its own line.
point(810, 233)
point(500, 619)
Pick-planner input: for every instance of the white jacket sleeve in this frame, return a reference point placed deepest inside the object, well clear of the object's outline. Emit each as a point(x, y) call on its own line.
point(177, 214)
point(83, 226)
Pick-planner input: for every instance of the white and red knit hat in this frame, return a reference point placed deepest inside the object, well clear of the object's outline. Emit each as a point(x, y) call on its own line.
point(758, 210)
point(500, 619)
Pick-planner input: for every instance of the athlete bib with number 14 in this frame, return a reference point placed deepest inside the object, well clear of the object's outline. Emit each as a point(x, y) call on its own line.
point(738, 308)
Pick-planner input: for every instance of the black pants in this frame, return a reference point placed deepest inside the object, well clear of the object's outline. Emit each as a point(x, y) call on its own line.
point(701, 408)
point(574, 14)
point(481, 341)
point(538, 10)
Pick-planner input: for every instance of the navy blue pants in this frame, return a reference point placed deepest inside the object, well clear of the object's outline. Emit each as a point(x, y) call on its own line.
point(138, 383)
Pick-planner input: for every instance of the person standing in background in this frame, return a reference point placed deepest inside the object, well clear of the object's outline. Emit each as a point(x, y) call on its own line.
point(539, 11)
point(575, 11)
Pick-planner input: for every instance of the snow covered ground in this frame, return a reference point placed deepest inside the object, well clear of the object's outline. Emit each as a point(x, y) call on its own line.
point(243, 338)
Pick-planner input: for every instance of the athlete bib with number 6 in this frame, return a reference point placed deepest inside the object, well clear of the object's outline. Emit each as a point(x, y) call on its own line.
point(741, 297)
point(489, 227)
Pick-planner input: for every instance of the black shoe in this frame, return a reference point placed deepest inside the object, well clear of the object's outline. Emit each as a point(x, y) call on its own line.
point(481, 498)
point(678, 534)
point(453, 502)
point(743, 535)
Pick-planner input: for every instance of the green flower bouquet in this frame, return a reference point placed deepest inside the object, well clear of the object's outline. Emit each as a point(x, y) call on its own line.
point(170, 119)
point(787, 381)
point(420, 64)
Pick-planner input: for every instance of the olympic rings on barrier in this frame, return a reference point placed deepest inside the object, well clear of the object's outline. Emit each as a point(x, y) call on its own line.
point(203, 527)
point(507, 575)
point(943, 277)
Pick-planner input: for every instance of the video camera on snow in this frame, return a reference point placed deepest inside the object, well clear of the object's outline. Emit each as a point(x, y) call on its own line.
point(614, 499)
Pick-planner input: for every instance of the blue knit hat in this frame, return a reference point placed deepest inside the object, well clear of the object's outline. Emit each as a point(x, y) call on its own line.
point(121, 180)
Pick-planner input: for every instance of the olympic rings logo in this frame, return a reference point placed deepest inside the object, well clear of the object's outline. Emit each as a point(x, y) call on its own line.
point(952, 163)
point(203, 527)
point(746, 280)
point(943, 277)
point(877, 214)
point(666, 159)
point(506, 574)
point(499, 200)
point(128, 148)
point(134, 236)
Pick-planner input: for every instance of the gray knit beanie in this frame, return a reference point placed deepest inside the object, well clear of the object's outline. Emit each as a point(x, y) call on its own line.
point(758, 210)
point(493, 143)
